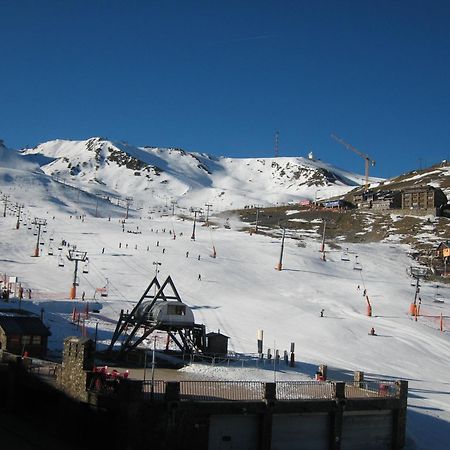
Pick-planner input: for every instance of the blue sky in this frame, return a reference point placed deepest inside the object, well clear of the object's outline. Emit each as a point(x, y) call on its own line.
point(222, 76)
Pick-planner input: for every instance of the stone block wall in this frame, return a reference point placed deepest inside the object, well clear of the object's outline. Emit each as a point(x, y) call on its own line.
point(78, 358)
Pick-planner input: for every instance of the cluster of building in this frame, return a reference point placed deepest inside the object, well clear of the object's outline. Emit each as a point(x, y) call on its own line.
point(425, 197)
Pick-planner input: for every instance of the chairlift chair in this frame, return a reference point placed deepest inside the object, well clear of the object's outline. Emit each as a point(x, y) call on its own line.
point(86, 266)
point(345, 256)
point(60, 260)
point(50, 250)
point(104, 291)
point(357, 265)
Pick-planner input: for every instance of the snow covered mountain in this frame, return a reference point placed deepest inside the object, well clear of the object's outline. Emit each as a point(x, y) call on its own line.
point(152, 175)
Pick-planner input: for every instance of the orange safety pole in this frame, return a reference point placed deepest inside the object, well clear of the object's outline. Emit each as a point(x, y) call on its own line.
point(369, 307)
point(412, 309)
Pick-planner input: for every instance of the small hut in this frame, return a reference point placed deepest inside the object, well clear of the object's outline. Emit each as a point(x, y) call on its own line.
point(21, 333)
point(216, 344)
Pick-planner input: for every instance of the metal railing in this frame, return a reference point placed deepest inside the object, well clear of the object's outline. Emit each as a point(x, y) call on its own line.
point(155, 389)
point(255, 390)
point(304, 390)
point(222, 390)
point(371, 389)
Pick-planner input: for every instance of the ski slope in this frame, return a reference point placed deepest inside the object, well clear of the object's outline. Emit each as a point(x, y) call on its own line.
point(240, 292)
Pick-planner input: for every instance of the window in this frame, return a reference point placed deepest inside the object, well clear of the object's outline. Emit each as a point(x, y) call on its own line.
point(26, 339)
point(176, 310)
point(36, 340)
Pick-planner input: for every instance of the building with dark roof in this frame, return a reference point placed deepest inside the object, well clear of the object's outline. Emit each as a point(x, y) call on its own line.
point(423, 197)
point(216, 344)
point(20, 333)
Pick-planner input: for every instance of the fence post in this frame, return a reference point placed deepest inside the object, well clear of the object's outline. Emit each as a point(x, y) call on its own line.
point(337, 416)
point(172, 393)
point(265, 424)
point(358, 378)
point(270, 392)
point(399, 429)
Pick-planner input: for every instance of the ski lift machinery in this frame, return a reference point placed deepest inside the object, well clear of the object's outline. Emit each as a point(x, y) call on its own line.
point(159, 311)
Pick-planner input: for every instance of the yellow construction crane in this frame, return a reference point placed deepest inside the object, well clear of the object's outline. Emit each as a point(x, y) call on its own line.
point(367, 158)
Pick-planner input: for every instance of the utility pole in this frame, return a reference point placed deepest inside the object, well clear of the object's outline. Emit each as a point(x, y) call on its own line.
point(207, 213)
point(129, 201)
point(256, 223)
point(413, 306)
point(323, 236)
point(19, 207)
point(173, 206)
point(156, 264)
point(39, 223)
point(277, 143)
point(195, 211)
point(280, 262)
point(5, 201)
point(76, 256)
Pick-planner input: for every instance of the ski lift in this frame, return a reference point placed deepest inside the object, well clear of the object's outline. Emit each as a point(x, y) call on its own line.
point(60, 261)
point(50, 250)
point(345, 256)
point(357, 265)
point(86, 266)
point(103, 291)
point(41, 243)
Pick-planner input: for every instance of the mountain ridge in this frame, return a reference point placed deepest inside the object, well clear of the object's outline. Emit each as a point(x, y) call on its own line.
point(148, 173)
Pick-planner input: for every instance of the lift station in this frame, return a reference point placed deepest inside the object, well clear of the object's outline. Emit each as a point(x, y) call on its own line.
point(159, 310)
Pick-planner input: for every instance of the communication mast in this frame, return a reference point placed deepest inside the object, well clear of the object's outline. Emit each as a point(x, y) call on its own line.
point(367, 158)
point(277, 143)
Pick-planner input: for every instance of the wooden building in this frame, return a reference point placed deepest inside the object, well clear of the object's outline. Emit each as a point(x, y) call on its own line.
point(383, 199)
point(21, 333)
point(443, 250)
point(216, 343)
point(423, 197)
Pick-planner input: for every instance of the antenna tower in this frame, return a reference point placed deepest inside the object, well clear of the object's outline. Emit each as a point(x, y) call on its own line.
point(277, 142)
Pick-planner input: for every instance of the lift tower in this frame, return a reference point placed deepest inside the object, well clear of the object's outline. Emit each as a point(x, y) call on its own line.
point(367, 158)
